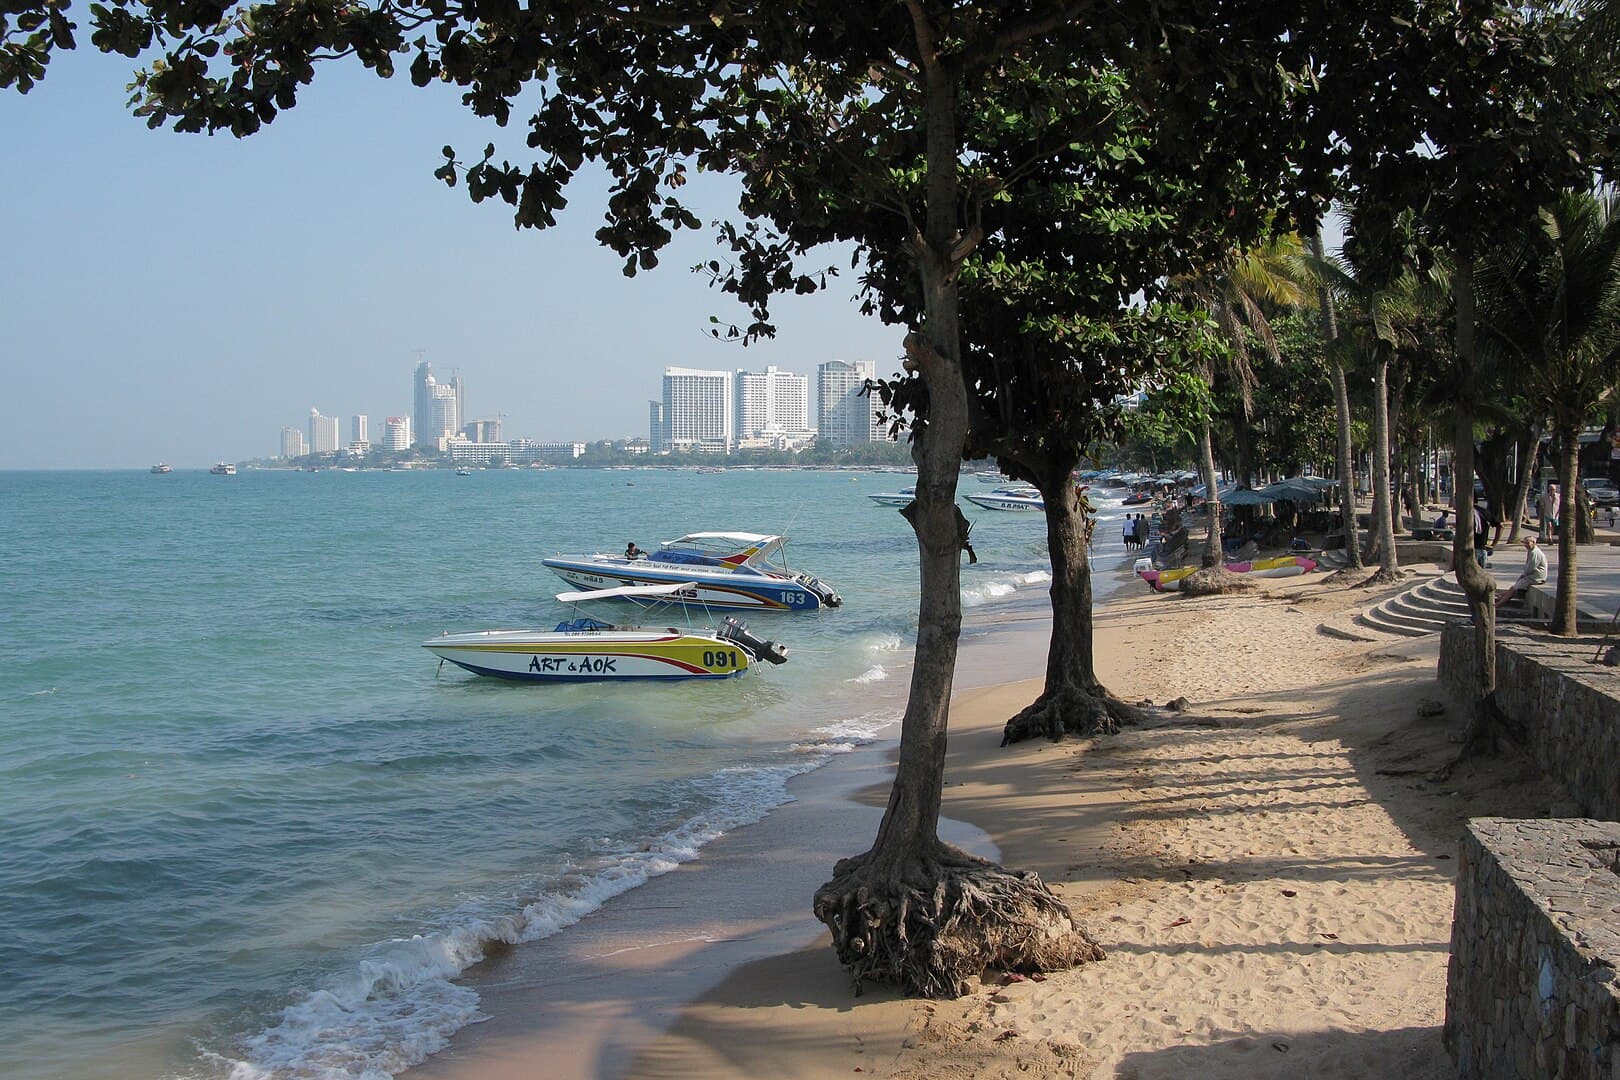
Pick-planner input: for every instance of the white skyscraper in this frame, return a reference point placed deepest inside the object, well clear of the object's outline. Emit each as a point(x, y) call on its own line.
point(444, 416)
point(292, 443)
point(323, 433)
point(397, 433)
point(698, 409)
point(422, 399)
point(359, 429)
point(843, 416)
point(772, 402)
point(657, 428)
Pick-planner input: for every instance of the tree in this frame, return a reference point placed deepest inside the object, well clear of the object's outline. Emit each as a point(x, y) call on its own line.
point(844, 124)
point(1345, 467)
point(1235, 292)
point(1550, 300)
point(1514, 123)
point(1385, 306)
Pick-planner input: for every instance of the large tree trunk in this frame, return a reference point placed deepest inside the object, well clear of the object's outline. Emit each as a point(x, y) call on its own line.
point(1073, 702)
point(1212, 505)
point(1389, 567)
point(1564, 608)
point(1477, 585)
point(914, 910)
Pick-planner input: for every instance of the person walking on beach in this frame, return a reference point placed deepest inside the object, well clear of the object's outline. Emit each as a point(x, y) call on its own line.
point(1479, 535)
point(1552, 505)
point(1535, 572)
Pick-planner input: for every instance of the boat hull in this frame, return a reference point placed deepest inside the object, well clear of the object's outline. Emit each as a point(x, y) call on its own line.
point(605, 656)
point(994, 502)
point(892, 500)
point(726, 589)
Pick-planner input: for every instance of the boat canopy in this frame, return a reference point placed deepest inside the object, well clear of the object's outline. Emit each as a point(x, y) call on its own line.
point(730, 541)
point(674, 589)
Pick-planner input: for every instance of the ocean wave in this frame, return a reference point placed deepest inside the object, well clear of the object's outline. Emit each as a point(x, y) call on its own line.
point(886, 643)
point(873, 674)
point(400, 1004)
point(1001, 586)
point(842, 736)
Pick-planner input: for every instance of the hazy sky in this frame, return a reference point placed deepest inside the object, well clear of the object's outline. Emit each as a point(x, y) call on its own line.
point(181, 298)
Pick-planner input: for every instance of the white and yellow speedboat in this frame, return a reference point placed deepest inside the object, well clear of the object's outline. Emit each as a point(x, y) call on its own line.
point(585, 649)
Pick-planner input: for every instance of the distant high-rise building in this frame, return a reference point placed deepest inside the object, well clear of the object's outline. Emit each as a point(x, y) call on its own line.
point(323, 433)
point(657, 428)
point(845, 417)
point(397, 433)
point(422, 399)
point(359, 429)
point(292, 443)
point(443, 419)
point(698, 409)
point(483, 430)
point(461, 399)
point(771, 402)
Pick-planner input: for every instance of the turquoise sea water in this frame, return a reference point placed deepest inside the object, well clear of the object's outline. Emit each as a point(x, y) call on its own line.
point(247, 829)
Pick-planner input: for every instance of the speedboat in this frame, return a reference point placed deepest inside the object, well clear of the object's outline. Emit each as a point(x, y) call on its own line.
point(586, 649)
point(162, 467)
point(903, 497)
point(730, 569)
point(464, 471)
point(223, 468)
point(1010, 498)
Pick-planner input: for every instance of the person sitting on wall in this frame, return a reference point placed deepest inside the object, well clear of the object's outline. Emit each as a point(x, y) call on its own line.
point(1535, 572)
point(632, 552)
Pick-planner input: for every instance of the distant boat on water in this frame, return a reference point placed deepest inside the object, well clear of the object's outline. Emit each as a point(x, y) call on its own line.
point(223, 468)
point(162, 467)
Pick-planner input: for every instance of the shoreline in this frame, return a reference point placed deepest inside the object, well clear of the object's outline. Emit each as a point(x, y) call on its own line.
point(589, 999)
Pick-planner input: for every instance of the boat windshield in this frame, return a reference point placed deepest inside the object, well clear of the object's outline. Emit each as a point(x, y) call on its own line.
point(582, 625)
point(722, 549)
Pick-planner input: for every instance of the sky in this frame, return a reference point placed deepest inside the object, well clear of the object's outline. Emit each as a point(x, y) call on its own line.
point(181, 298)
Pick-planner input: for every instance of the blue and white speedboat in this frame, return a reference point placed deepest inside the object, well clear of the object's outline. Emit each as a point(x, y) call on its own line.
point(730, 570)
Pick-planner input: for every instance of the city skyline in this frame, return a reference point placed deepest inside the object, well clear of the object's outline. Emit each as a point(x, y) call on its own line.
point(187, 297)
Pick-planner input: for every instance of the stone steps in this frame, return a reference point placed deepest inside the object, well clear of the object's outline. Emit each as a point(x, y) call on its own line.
point(1427, 606)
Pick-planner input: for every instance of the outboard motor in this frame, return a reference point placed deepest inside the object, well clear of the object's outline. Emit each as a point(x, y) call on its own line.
point(1143, 564)
point(822, 590)
point(734, 631)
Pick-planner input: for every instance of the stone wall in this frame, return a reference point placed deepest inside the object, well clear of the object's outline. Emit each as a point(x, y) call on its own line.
point(1568, 706)
point(1532, 989)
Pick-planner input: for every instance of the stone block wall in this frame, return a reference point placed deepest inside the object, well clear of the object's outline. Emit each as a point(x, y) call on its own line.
point(1532, 990)
point(1569, 707)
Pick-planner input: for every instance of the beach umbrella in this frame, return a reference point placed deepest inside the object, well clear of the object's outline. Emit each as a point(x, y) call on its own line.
point(1246, 497)
point(1291, 491)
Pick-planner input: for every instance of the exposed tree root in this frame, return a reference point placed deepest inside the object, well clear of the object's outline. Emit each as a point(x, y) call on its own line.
point(929, 921)
point(1214, 581)
point(1383, 577)
point(1071, 710)
point(1484, 737)
point(1351, 577)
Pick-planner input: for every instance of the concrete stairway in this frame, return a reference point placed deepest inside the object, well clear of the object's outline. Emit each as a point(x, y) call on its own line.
point(1427, 606)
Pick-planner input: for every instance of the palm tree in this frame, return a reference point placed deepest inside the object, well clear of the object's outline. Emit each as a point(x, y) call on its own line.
point(1550, 301)
point(1235, 295)
point(1341, 403)
point(1383, 311)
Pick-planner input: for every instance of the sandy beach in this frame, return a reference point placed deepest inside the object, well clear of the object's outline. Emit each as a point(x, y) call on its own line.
point(1269, 872)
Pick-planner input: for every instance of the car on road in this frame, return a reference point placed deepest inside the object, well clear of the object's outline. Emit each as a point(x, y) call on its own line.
point(1602, 491)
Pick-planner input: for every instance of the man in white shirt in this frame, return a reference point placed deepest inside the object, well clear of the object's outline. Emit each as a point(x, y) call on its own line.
point(1535, 571)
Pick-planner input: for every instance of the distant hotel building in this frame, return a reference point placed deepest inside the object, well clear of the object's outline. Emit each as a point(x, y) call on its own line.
point(323, 433)
point(773, 405)
point(359, 429)
point(292, 443)
point(422, 399)
point(438, 407)
point(845, 417)
point(699, 410)
point(397, 433)
point(530, 450)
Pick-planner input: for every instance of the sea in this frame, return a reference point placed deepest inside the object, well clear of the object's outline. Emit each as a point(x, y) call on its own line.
point(249, 828)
